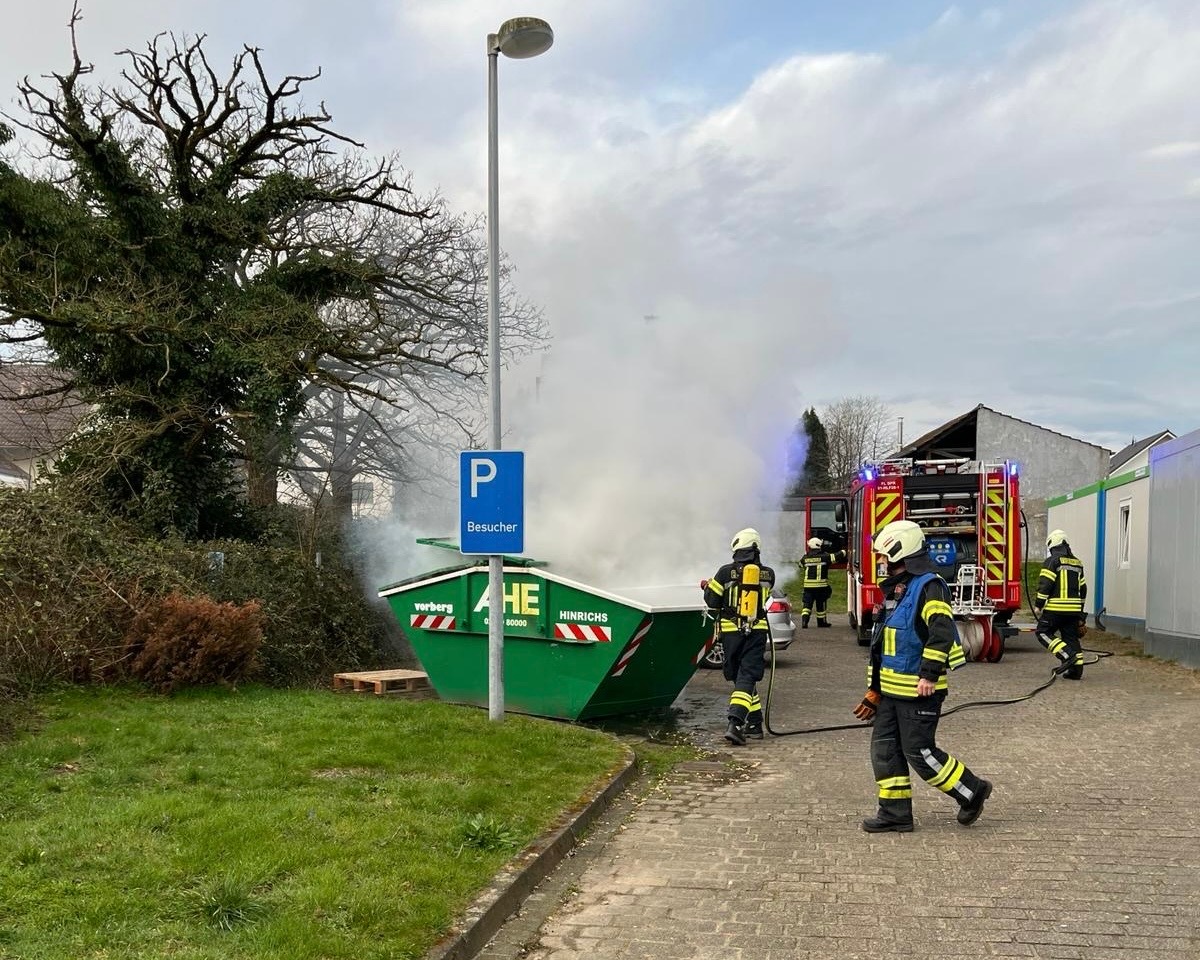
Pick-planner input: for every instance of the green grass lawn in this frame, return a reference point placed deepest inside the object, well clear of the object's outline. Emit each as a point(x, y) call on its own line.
point(837, 602)
point(265, 823)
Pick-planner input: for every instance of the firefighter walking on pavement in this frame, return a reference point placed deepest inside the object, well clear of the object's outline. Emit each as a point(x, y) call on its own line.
point(815, 566)
point(738, 595)
point(914, 645)
point(1061, 594)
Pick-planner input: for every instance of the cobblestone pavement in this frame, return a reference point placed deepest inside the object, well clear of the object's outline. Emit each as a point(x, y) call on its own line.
point(1089, 847)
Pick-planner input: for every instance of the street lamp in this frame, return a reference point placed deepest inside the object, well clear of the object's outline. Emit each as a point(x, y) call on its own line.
point(519, 38)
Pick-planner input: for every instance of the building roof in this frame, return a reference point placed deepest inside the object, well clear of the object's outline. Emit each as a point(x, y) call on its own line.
point(957, 437)
point(38, 409)
point(1122, 457)
point(10, 474)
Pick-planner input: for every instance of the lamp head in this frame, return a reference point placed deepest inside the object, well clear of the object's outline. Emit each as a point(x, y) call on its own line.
point(523, 37)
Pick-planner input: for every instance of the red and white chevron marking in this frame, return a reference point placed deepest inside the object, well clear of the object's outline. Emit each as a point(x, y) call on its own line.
point(708, 645)
point(431, 621)
point(630, 650)
point(582, 631)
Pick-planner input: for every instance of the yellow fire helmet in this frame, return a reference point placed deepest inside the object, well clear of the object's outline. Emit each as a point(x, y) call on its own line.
point(899, 539)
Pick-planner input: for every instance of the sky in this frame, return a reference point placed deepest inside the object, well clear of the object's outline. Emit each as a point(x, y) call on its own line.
point(941, 205)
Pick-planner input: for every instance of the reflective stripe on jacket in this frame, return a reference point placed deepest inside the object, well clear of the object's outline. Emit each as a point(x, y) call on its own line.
point(815, 565)
point(723, 594)
point(1061, 584)
point(904, 656)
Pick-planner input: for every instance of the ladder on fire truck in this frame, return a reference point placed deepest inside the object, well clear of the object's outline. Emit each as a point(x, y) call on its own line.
point(993, 527)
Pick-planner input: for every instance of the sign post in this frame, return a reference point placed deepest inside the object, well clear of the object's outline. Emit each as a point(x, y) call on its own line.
point(492, 523)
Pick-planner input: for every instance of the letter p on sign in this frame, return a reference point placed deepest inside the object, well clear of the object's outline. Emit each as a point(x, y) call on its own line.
point(482, 471)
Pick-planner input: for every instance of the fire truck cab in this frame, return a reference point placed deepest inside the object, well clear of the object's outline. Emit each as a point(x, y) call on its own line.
point(970, 512)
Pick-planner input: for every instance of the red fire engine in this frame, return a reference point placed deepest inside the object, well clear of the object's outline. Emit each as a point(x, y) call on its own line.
point(970, 512)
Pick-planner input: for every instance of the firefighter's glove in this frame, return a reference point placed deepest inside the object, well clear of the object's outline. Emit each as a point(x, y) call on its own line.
point(870, 703)
point(1083, 629)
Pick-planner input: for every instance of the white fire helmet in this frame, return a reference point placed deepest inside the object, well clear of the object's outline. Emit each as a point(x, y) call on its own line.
point(814, 542)
point(746, 538)
point(1055, 539)
point(899, 539)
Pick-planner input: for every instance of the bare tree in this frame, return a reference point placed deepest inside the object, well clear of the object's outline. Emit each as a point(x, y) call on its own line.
point(858, 429)
point(201, 252)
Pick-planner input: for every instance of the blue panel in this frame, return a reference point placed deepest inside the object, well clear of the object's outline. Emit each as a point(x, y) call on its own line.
point(491, 501)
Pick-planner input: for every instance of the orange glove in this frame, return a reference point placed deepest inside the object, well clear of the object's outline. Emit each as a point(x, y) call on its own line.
point(866, 709)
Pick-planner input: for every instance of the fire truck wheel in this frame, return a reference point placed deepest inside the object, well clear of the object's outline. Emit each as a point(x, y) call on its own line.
point(864, 636)
point(996, 650)
point(853, 619)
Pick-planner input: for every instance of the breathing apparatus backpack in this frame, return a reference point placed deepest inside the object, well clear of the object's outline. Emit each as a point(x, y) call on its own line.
point(748, 578)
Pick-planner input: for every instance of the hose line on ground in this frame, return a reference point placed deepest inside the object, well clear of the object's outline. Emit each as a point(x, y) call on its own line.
point(1098, 655)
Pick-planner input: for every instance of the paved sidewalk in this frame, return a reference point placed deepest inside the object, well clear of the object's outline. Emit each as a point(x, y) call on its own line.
point(1089, 847)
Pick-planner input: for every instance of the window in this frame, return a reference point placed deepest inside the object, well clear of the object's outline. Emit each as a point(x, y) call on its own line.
point(1123, 533)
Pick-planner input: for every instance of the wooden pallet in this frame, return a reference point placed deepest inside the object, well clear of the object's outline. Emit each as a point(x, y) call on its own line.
point(382, 681)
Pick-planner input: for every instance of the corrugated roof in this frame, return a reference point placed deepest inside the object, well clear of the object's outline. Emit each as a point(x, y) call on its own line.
point(1123, 456)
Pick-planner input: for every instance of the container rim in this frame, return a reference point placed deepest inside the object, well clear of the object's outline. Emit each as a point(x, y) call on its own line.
point(447, 573)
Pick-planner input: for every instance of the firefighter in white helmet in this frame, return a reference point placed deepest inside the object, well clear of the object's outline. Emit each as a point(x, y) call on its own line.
point(914, 644)
point(738, 595)
point(1061, 595)
point(814, 567)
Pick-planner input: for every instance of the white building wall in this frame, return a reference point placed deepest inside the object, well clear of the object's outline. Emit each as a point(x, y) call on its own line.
point(1172, 597)
point(1125, 575)
point(1077, 518)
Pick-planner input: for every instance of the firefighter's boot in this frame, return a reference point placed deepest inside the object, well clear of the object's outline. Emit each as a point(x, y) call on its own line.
point(735, 733)
point(969, 812)
point(1074, 663)
point(804, 622)
point(882, 822)
point(822, 622)
point(1069, 666)
point(754, 726)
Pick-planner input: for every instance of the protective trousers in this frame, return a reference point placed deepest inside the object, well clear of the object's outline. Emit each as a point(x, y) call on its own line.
point(903, 736)
point(1059, 633)
point(815, 600)
point(745, 662)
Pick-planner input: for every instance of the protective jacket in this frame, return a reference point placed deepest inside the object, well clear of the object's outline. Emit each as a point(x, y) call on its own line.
point(917, 639)
point(1061, 584)
point(816, 565)
point(723, 592)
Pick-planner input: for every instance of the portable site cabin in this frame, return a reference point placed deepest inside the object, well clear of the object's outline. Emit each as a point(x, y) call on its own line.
point(1172, 601)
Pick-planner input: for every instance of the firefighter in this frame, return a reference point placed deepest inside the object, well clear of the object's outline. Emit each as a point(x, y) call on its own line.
point(1061, 593)
point(815, 564)
point(915, 643)
point(738, 595)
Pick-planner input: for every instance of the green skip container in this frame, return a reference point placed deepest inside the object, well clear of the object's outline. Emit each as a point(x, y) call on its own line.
point(571, 651)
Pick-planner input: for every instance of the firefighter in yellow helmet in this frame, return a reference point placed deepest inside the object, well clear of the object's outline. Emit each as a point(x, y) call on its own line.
point(1061, 594)
point(914, 644)
point(738, 595)
point(814, 566)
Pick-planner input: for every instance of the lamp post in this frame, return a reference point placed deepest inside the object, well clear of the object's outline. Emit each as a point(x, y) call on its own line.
point(519, 38)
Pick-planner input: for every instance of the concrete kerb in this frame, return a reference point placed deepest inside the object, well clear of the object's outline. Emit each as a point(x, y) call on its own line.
point(513, 885)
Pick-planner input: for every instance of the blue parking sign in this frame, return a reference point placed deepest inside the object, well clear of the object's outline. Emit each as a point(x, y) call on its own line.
point(491, 501)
